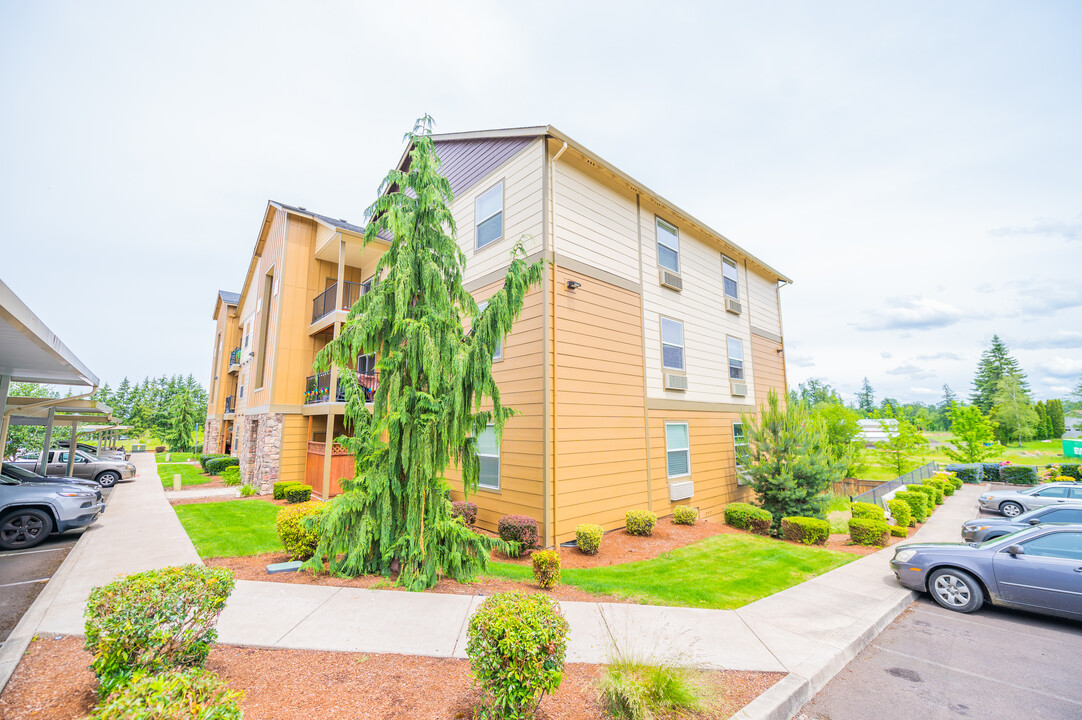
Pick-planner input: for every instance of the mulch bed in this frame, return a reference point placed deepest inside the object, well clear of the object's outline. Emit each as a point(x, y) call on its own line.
point(53, 682)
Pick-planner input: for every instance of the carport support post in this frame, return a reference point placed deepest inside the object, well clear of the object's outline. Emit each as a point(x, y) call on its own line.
point(5, 384)
point(48, 442)
point(72, 447)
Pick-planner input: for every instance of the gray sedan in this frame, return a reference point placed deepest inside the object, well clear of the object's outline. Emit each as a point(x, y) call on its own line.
point(1015, 502)
point(1038, 569)
point(985, 528)
point(104, 472)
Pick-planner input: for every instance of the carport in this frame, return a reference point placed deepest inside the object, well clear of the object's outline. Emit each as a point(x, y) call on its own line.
point(30, 352)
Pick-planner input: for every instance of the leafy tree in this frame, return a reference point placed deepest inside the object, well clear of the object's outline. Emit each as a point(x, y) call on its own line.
point(970, 430)
point(816, 392)
point(434, 377)
point(841, 431)
point(27, 437)
point(866, 398)
point(900, 451)
point(788, 459)
point(995, 363)
point(1012, 411)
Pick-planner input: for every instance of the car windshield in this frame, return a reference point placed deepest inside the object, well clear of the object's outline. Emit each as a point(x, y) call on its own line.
point(13, 471)
point(1001, 538)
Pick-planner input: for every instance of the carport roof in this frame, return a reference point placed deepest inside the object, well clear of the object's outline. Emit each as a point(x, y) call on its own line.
point(30, 352)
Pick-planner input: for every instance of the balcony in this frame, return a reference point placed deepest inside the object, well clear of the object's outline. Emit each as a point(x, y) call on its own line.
point(317, 388)
point(234, 360)
point(229, 405)
point(323, 304)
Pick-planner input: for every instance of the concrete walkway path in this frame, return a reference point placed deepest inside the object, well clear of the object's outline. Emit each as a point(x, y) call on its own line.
point(808, 631)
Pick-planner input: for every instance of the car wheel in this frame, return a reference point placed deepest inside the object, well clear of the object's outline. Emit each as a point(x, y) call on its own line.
point(25, 528)
point(1011, 509)
point(955, 590)
point(107, 478)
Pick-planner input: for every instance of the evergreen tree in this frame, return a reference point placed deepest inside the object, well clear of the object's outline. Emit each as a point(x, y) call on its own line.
point(995, 363)
point(946, 407)
point(1044, 423)
point(866, 398)
point(122, 399)
point(1012, 411)
point(1056, 418)
point(970, 430)
point(181, 422)
point(434, 379)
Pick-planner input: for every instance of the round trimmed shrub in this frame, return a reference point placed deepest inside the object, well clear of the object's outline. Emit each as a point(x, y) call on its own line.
point(193, 694)
point(898, 531)
point(280, 488)
point(748, 517)
point(937, 486)
point(298, 537)
point(899, 510)
point(684, 515)
point(588, 538)
point(640, 522)
point(152, 621)
point(867, 510)
point(863, 531)
point(521, 529)
point(298, 493)
point(918, 504)
point(927, 491)
point(810, 531)
point(216, 465)
point(516, 645)
point(465, 510)
point(546, 568)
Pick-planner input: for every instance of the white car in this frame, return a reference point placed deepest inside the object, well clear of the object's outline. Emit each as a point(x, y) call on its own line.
point(1012, 503)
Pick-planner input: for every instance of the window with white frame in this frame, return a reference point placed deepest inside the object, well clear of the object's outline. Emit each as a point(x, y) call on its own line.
point(730, 277)
point(672, 344)
point(677, 450)
point(498, 355)
point(488, 453)
point(740, 449)
point(668, 246)
point(736, 358)
point(488, 216)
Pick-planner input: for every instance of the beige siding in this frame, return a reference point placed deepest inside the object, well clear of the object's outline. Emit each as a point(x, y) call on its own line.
point(272, 257)
point(770, 367)
point(763, 302)
point(294, 448)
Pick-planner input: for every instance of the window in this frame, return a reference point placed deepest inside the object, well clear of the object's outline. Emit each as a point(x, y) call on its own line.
point(1063, 515)
point(264, 325)
point(668, 246)
point(736, 358)
point(366, 364)
point(488, 216)
point(677, 450)
point(740, 447)
point(488, 452)
point(498, 355)
point(1065, 545)
point(1053, 492)
point(672, 344)
point(731, 277)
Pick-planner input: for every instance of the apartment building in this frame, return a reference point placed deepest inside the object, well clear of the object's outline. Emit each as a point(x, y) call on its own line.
point(631, 364)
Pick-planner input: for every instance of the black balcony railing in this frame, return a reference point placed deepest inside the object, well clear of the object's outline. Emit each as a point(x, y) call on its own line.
point(234, 357)
point(229, 405)
point(323, 304)
point(317, 388)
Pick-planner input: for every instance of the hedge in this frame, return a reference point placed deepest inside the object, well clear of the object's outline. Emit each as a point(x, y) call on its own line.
point(640, 522)
point(204, 459)
point(216, 465)
point(928, 491)
point(898, 531)
point(949, 478)
point(867, 510)
point(918, 504)
point(231, 475)
point(991, 472)
point(969, 473)
point(1071, 470)
point(748, 517)
point(810, 531)
point(937, 489)
point(868, 532)
point(899, 510)
point(588, 538)
point(298, 493)
point(1019, 474)
point(280, 488)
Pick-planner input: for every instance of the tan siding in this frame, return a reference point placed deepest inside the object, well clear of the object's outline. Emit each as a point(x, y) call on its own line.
point(273, 256)
point(770, 367)
point(763, 302)
point(294, 448)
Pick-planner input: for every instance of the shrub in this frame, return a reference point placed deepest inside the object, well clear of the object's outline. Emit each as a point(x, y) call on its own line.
point(247, 490)
point(950, 479)
point(868, 532)
point(937, 487)
point(640, 522)
point(898, 531)
point(810, 531)
point(1019, 474)
point(748, 517)
point(297, 538)
point(465, 510)
point(588, 538)
point(215, 466)
point(918, 504)
point(521, 529)
point(279, 492)
point(516, 645)
point(868, 510)
point(684, 515)
point(231, 475)
point(1070, 470)
point(643, 690)
point(991, 472)
point(927, 491)
point(546, 568)
point(153, 621)
point(899, 510)
point(969, 473)
point(297, 493)
point(204, 459)
point(192, 694)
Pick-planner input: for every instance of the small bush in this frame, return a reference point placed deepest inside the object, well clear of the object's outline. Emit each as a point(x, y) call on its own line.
point(810, 531)
point(297, 493)
point(216, 465)
point(154, 621)
point(231, 475)
point(898, 531)
point(937, 488)
point(991, 472)
point(972, 474)
point(280, 488)
point(205, 459)
point(748, 517)
point(465, 510)
point(193, 694)
point(516, 645)
point(868, 510)
point(521, 529)
point(918, 504)
point(247, 490)
point(640, 522)
point(863, 531)
point(297, 538)
point(588, 538)
point(684, 515)
point(546, 568)
point(899, 510)
point(1019, 474)
point(1071, 470)
point(640, 690)
point(927, 491)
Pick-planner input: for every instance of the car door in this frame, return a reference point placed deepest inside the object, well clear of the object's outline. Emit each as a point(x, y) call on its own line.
point(1046, 576)
point(58, 463)
point(1048, 496)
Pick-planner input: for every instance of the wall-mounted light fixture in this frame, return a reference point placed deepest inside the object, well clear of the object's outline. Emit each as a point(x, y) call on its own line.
point(778, 350)
point(571, 284)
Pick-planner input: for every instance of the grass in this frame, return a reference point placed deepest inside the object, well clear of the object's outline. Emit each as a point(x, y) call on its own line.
point(837, 503)
point(637, 689)
point(233, 528)
point(174, 457)
point(1050, 451)
point(189, 474)
point(722, 572)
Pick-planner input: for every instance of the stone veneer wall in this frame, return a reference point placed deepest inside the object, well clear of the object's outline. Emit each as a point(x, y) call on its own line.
point(259, 448)
point(210, 435)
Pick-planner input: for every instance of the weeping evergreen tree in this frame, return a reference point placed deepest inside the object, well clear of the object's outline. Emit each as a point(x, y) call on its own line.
point(434, 379)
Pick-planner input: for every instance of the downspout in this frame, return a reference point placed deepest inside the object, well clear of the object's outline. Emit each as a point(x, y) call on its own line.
point(642, 327)
point(555, 409)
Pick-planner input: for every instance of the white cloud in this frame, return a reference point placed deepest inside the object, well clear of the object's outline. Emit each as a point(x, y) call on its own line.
point(1061, 367)
point(800, 360)
point(912, 313)
point(910, 370)
point(923, 391)
point(1044, 226)
point(941, 356)
point(886, 355)
point(1057, 339)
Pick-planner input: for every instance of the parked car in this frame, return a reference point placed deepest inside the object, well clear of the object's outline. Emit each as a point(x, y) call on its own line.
point(105, 472)
point(91, 450)
point(17, 473)
point(31, 510)
point(983, 529)
point(1037, 569)
point(1012, 503)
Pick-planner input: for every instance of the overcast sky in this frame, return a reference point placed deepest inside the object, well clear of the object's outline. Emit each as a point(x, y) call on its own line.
point(916, 167)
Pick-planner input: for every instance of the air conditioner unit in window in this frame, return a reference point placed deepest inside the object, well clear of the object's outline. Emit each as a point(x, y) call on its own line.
point(733, 306)
point(671, 280)
point(738, 389)
point(676, 382)
point(681, 490)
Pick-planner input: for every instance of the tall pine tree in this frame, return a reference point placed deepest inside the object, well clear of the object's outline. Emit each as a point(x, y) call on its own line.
point(866, 398)
point(995, 363)
point(435, 378)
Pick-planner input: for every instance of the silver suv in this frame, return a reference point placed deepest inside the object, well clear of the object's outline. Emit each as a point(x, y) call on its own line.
point(104, 472)
point(31, 510)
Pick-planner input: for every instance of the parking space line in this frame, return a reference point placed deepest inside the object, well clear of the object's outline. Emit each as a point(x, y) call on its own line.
point(25, 582)
point(1003, 627)
point(997, 681)
point(31, 552)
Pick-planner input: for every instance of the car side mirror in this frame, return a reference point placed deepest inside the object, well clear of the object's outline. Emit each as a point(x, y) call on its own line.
point(1016, 550)
point(1034, 521)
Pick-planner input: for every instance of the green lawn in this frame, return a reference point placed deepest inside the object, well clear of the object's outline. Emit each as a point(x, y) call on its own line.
point(232, 528)
point(189, 474)
point(722, 572)
point(173, 457)
point(1049, 451)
